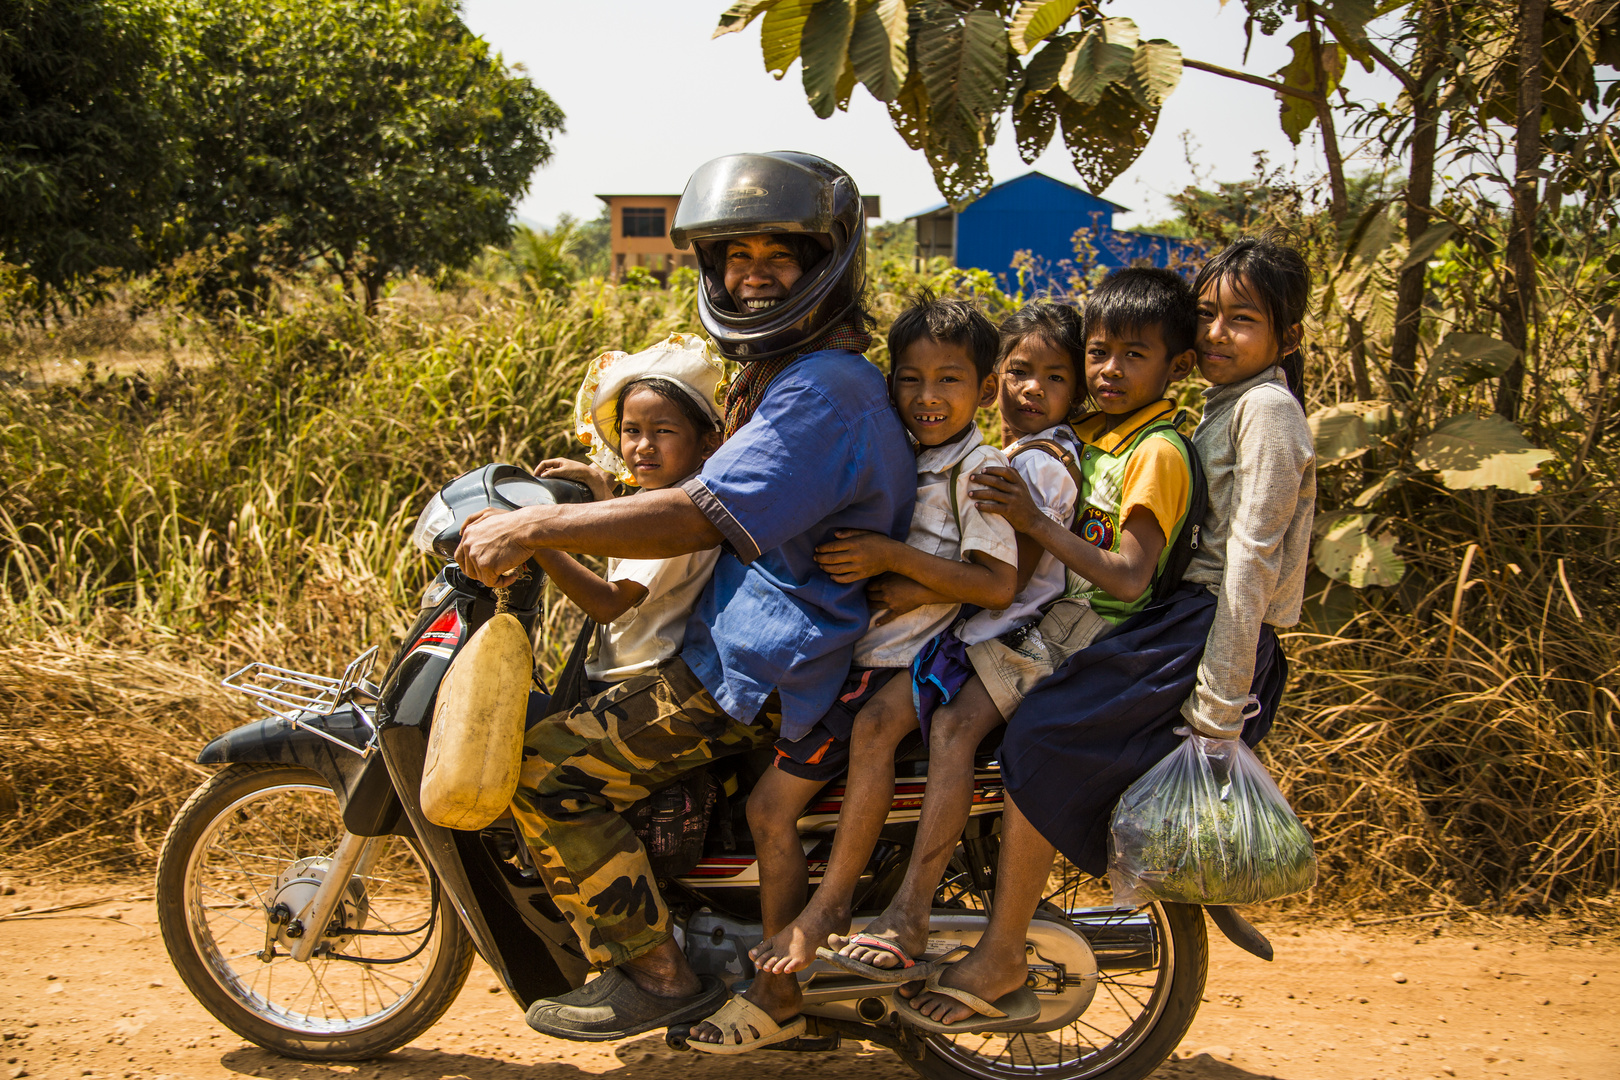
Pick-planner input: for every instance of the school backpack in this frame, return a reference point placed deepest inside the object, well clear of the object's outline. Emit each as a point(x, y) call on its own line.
point(1188, 536)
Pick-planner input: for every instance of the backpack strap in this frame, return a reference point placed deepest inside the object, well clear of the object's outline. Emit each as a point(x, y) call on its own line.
point(956, 471)
point(1185, 543)
point(1065, 458)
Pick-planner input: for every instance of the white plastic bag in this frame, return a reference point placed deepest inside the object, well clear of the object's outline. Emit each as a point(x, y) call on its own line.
point(1207, 825)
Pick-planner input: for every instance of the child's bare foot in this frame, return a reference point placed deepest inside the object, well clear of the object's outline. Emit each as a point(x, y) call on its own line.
point(908, 936)
point(982, 973)
point(778, 996)
point(794, 947)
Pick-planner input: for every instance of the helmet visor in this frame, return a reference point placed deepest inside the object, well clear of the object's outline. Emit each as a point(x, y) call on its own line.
point(747, 194)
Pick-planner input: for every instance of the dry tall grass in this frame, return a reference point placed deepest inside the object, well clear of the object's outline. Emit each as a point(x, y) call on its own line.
point(254, 502)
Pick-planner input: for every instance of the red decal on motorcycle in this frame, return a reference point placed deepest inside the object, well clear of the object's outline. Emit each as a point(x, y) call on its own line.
point(443, 631)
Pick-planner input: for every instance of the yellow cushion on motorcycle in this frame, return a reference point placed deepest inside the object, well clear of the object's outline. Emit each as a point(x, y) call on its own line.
point(475, 749)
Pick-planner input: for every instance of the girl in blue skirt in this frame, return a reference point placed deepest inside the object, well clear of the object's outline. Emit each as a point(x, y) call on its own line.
point(1205, 657)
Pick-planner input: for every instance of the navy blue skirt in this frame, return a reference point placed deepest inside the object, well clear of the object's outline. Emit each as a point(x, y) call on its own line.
point(1108, 714)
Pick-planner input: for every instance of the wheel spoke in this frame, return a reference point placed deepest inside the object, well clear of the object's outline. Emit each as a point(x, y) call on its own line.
point(242, 849)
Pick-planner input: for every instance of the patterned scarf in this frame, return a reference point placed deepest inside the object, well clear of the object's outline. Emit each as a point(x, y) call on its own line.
point(747, 390)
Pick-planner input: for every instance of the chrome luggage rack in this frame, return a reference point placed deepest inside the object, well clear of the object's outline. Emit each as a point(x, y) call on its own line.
point(299, 696)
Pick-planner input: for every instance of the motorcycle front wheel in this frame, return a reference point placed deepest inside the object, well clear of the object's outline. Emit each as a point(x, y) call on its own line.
point(257, 836)
point(1152, 965)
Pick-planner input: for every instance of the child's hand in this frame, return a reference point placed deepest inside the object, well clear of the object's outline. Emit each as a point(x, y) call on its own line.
point(896, 595)
point(854, 555)
point(600, 483)
point(1005, 493)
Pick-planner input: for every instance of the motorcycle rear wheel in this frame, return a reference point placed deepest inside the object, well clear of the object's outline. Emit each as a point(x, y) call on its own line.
point(1153, 965)
point(237, 840)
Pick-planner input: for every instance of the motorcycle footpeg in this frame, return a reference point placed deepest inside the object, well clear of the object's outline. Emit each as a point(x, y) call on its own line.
point(678, 1035)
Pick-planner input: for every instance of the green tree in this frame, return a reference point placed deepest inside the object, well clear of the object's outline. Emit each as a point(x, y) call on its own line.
point(88, 158)
point(374, 137)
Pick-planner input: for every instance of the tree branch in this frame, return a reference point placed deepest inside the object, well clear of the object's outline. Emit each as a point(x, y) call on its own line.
point(1243, 76)
point(1409, 84)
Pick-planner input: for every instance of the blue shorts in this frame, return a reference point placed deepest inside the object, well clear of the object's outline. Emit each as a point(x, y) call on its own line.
point(823, 752)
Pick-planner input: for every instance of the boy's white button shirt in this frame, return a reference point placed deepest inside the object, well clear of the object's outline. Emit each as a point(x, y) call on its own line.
point(654, 629)
point(1055, 495)
point(935, 530)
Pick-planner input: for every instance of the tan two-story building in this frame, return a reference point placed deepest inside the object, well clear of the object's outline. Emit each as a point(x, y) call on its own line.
point(639, 234)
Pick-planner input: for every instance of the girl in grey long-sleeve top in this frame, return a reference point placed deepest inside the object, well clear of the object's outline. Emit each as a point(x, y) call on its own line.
point(1260, 461)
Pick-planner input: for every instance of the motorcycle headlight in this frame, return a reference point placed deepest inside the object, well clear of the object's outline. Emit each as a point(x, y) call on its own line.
point(435, 518)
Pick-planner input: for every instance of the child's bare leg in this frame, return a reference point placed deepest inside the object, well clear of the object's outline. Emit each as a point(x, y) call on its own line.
point(953, 735)
point(868, 796)
point(996, 966)
point(774, 807)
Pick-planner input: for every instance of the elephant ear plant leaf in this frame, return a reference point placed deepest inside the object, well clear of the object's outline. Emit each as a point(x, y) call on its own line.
point(1482, 452)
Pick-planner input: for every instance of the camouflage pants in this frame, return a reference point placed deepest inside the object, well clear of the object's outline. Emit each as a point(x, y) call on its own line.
point(582, 768)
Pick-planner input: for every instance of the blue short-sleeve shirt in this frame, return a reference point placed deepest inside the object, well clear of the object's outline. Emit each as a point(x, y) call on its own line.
point(824, 451)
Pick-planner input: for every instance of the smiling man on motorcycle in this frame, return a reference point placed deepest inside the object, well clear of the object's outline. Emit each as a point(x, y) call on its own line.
point(812, 445)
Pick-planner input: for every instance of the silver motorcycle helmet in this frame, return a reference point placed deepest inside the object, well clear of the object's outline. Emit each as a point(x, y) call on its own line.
point(787, 193)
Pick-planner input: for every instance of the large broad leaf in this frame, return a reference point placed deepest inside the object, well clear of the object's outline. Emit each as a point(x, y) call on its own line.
point(1297, 114)
point(1471, 358)
point(1105, 139)
point(739, 15)
point(964, 68)
point(780, 34)
point(877, 47)
point(1481, 452)
point(1035, 19)
point(1428, 244)
point(1389, 483)
point(1347, 551)
point(1339, 433)
point(1035, 118)
point(1102, 58)
point(908, 112)
point(1155, 72)
point(824, 47)
point(1046, 66)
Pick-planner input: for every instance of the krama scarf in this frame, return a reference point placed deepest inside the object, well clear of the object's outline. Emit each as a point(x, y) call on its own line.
point(747, 390)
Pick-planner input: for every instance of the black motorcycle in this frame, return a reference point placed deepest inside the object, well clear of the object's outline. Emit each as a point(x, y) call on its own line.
point(309, 905)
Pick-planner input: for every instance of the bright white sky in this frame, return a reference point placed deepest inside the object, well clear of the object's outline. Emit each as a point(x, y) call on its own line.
point(649, 97)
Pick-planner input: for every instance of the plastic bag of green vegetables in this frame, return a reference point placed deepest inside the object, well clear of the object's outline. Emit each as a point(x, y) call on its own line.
point(1207, 825)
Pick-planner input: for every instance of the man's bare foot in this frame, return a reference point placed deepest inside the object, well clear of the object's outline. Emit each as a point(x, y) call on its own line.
point(980, 972)
point(794, 947)
point(911, 937)
point(663, 972)
point(776, 994)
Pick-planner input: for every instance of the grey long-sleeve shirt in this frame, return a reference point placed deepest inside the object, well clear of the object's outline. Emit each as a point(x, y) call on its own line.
point(1260, 460)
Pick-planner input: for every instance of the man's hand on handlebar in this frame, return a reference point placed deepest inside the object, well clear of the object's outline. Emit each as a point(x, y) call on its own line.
point(600, 483)
point(491, 549)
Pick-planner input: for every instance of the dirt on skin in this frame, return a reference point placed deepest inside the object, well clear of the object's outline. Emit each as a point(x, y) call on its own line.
point(91, 993)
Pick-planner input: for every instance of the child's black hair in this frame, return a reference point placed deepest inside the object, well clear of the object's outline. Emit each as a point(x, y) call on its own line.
point(1136, 297)
point(1061, 327)
point(949, 322)
point(669, 391)
point(1275, 277)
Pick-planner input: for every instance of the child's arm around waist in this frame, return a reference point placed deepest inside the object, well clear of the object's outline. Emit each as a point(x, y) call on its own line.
point(1124, 574)
point(854, 555)
point(602, 600)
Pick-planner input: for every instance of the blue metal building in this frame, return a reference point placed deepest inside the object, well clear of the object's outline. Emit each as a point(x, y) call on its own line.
point(1040, 215)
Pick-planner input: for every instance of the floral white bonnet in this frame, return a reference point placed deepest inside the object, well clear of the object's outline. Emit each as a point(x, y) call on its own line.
point(683, 359)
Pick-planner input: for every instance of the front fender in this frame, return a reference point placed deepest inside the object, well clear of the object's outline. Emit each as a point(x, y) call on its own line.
point(364, 789)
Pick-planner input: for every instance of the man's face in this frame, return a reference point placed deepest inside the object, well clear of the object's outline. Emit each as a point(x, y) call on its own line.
point(759, 272)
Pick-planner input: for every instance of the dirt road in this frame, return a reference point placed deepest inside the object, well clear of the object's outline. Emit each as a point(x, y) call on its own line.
point(91, 994)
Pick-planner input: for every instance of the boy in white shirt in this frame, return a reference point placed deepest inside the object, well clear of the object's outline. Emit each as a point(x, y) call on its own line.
point(943, 356)
point(970, 678)
point(650, 419)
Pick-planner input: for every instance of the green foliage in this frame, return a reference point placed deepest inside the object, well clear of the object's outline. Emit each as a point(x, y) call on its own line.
point(949, 71)
point(377, 137)
point(88, 150)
